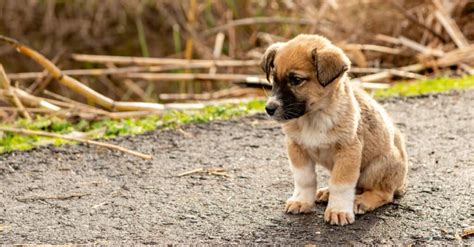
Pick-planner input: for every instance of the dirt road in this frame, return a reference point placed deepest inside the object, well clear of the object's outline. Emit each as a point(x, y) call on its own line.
point(81, 194)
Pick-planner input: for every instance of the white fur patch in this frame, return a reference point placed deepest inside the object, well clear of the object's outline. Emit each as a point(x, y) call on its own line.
point(305, 184)
point(315, 132)
point(341, 197)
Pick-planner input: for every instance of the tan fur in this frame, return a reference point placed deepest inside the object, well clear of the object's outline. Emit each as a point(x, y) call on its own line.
point(343, 129)
point(297, 155)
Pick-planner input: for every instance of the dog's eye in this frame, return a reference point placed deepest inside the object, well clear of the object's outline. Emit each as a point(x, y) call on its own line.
point(296, 80)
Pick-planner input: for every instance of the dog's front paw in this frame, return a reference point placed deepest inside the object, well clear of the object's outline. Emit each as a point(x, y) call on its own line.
point(339, 216)
point(296, 207)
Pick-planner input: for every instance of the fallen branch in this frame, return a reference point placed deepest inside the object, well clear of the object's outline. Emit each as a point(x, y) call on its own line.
point(91, 142)
point(163, 61)
point(369, 47)
point(420, 48)
point(389, 73)
point(76, 85)
point(31, 100)
point(92, 72)
point(225, 93)
point(190, 77)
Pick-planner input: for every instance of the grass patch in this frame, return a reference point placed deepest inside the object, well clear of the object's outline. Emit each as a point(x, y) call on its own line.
point(112, 128)
point(436, 85)
point(173, 119)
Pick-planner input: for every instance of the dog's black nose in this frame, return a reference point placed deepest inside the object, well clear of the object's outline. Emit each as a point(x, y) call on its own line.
point(271, 108)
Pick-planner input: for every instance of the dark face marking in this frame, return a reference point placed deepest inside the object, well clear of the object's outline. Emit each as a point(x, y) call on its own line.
point(291, 106)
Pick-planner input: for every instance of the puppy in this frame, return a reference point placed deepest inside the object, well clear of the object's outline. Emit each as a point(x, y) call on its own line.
point(330, 122)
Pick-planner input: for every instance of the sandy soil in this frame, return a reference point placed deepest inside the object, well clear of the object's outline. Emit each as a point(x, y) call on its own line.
point(82, 194)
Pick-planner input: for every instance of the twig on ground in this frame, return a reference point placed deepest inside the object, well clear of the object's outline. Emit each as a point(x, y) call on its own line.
point(52, 197)
point(97, 143)
point(468, 231)
point(210, 171)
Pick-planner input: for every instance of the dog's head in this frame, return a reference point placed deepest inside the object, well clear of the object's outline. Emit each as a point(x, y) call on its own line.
point(302, 71)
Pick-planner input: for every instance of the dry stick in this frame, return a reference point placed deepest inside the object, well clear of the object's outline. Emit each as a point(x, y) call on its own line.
point(211, 171)
point(40, 84)
point(35, 101)
point(356, 70)
point(33, 110)
point(52, 197)
point(94, 72)
point(53, 106)
point(76, 85)
point(65, 112)
point(388, 39)
point(163, 61)
point(101, 144)
point(225, 93)
point(458, 56)
point(260, 20)
point(218, 45)
point(13, 97)
point(76, 104)
point(189, 76)
point(369, 47)
point(420, 48)
point(467, 68)
point(452, 29)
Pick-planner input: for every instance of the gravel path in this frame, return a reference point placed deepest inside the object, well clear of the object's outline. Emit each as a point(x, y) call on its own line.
point(83, 194)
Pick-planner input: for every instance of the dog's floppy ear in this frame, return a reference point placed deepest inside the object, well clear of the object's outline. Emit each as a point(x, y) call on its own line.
point(267, 59)
point(330, 65)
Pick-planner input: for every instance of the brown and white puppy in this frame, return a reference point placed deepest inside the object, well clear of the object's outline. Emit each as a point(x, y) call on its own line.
point(330, 122)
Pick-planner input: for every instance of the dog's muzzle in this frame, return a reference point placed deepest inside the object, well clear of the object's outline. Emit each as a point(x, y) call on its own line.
point(272, 106)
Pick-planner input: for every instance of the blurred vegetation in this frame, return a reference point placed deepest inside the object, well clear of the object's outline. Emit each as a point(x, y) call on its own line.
point(179, 29)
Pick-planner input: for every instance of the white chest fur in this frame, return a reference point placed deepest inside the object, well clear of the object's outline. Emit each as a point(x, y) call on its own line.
point(314, 132)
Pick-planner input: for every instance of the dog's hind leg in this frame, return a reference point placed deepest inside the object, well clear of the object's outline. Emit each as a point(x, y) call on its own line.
point(370, 200)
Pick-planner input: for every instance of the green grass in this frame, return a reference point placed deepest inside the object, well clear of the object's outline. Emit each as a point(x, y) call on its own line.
point(437, 85)
point(112, 128)
point(173, 119)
